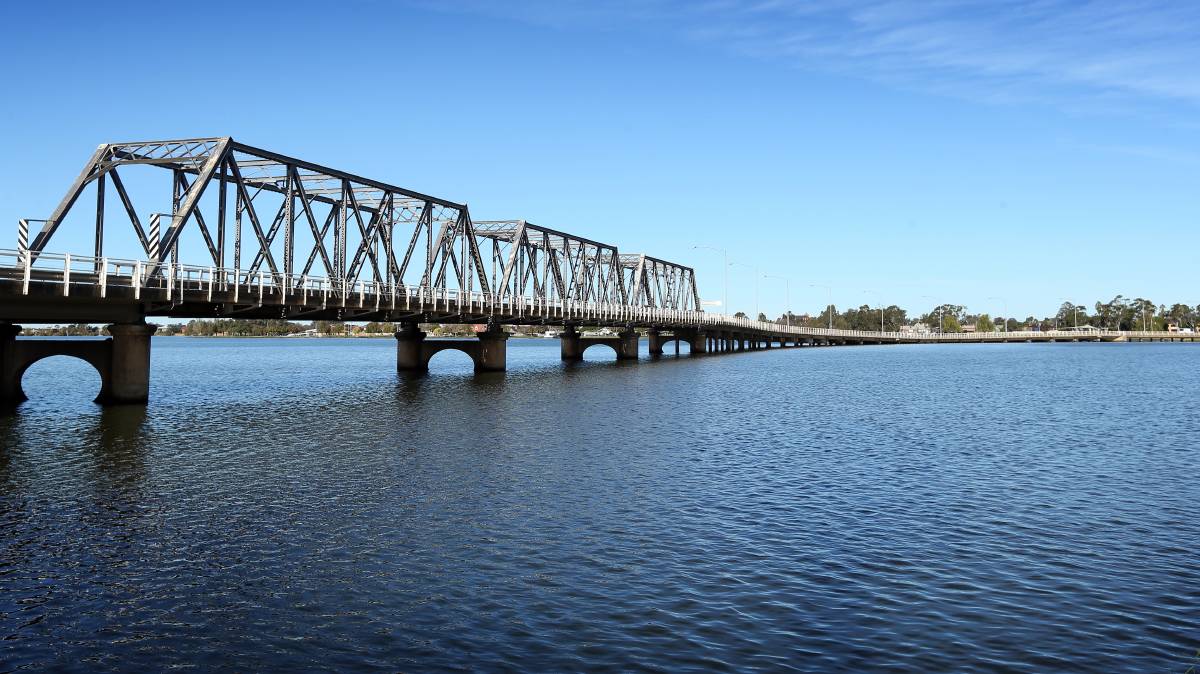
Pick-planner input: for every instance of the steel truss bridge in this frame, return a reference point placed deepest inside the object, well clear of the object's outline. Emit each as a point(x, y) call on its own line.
point(271, 236)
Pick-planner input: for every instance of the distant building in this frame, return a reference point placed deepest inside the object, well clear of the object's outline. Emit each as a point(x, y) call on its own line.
point(916, 328)
point(969, 327)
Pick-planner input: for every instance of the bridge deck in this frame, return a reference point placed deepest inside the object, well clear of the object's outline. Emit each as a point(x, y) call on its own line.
point(60, 288)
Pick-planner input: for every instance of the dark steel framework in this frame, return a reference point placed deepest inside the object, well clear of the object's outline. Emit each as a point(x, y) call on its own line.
point(295, 220)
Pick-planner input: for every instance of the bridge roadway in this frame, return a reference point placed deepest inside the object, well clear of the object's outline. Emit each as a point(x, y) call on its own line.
point(57, 288)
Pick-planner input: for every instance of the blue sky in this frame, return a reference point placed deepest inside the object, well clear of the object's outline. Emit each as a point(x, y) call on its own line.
point(905, 152)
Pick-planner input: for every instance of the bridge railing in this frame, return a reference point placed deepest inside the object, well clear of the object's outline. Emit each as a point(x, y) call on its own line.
point(250, 286)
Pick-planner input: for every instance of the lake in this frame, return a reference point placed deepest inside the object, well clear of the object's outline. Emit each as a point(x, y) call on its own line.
point(296, 505)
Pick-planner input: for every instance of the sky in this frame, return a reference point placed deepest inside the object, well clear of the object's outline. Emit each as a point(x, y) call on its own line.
point(1007, 156)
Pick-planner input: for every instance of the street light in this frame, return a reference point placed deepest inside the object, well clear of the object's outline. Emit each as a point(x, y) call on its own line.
point(1075, 308)
point(756, 275)
point(787, 286)
point(829, 304)
point(725, 268)
point(1006, 317)
point(880, 301)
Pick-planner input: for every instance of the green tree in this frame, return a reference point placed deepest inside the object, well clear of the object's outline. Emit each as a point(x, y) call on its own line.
point(985, 324)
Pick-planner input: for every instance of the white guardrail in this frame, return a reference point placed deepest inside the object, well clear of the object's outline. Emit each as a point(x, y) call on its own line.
point(249, 287)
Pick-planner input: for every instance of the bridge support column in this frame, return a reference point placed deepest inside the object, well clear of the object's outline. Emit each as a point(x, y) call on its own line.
point(570, 345)
point(129, 374)
point(493, 350)
point(408, 349)
point(627, 348)
point(655, 337)
point(699, 343)
point(123, 361)
point(10, 377)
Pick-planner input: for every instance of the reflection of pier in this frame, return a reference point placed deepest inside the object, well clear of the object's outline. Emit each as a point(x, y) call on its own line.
point(279, 237)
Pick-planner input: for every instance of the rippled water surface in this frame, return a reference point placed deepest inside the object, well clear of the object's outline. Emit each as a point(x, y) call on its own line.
point(296, 505)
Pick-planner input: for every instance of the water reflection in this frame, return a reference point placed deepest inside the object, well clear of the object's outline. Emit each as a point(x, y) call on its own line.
point(118, 440)
point(283, 502)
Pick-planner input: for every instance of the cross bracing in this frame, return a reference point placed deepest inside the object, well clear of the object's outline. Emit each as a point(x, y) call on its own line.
point(254, 212)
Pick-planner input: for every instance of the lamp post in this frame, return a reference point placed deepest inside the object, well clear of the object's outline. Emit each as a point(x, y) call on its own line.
point(787, 287)
point(829, 304)
point(724, 268)
point(1004, 302)
point(756, 275)
point(1075, 310)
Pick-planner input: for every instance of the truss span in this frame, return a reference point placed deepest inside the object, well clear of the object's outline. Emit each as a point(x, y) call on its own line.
point(219, 202)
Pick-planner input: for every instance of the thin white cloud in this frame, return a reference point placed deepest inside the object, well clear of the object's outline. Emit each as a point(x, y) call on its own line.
point(1035, 49)
point(1109, 53)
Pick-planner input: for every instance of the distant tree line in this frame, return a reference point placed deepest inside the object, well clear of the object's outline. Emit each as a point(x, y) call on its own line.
point(1119, 313)
point(233, 327)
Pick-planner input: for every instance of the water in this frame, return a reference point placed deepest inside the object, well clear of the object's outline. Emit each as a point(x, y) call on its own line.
point(296, 505)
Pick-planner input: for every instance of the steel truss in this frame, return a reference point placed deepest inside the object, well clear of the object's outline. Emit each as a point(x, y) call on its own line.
point(657, 283)
point(295, 220)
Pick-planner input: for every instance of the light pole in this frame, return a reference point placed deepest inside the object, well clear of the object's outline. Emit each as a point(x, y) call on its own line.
point(880, 301)
point(756, 275)
point(725, 269)
point(829, 304)
point(787, 287)
point(1005, 304)
point(1074, 309)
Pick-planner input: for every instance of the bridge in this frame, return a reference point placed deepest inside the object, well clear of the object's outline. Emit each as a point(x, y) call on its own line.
point(279, 237)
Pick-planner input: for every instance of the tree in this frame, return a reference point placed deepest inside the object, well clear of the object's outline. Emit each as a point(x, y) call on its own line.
point(951, 324)
point(740, 314)
point(1182, 315)
point(985, 324)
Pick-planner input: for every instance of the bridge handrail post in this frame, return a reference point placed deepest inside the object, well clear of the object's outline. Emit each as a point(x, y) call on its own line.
point(103, 277)
point(66, 275)
point(262, 281)
point(28, 255)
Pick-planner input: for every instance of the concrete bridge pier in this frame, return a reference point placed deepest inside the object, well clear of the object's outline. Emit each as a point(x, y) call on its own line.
point(493, 350)
point(569, 344)
point(409, 340)
point(488, 351)
point(625, 343)
point(656, 342)
point(699, 343)
point(129, 374)
point(123, 361)
point(628, 345)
